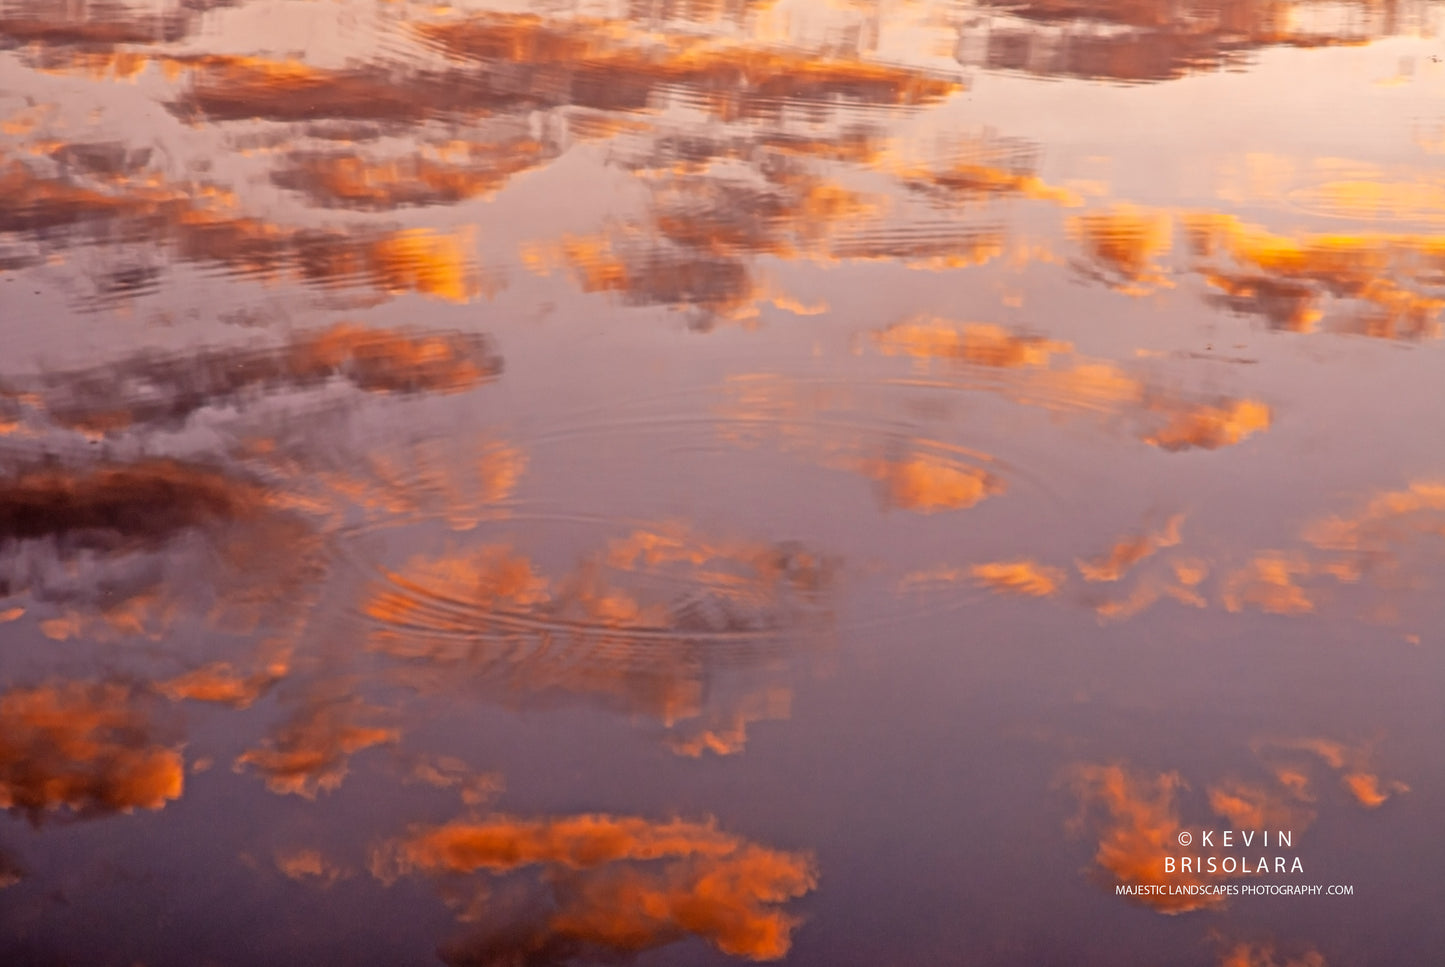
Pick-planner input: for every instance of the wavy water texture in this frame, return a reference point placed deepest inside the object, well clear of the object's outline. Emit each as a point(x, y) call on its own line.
point(901, 401)
point(647, 624)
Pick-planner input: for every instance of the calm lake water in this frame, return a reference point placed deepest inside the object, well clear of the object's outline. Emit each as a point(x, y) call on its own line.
point(847, 483)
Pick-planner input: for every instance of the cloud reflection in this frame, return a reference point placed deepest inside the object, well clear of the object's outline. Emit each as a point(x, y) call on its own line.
point(121, 506)
point(457, 172)
point(1149, 41)
point(88, 748)
point(309, 752)
point(1379, 560)
point(980, 344)
point(199, 223)
point(228, 88)
point(1261, 805)
point(1034, 371)
point(610, 886)
point(1390, 546)
point(161, 390)
point(1130, 550)
point(308, 866)
point(1026, 578)
point(1291, 281)
point(1352, 763)
point(1122, 245)
point(1136, 815)
point(1137, 821)
point(610, 65)
point(125, 550)
point(1264, 955)
point(647, 624)
point(93, 23)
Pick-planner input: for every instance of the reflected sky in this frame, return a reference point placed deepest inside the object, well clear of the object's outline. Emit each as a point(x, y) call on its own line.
point(695, 483)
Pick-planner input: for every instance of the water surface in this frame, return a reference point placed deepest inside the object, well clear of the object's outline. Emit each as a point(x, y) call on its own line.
point(836, 483)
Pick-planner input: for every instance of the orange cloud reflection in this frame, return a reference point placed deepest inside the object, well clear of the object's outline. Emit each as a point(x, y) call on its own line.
point(1209, 427)
point(308, 866)
point(730, 80)
point(928, 483)
point(229, 88)
point(1123, 244)
point(1290, 279)
point(917, 474)
point(90, 24)
point(1253, 805)
point(1130, 550)
point(1019, 577)
point(615, 885)
point(1351, 762)
point(1144, 41)
point(1268, 583)
point(222, 684)
point(309, 752)
point(981, 344)
point(352, 181)
point(1263, 955)
point(1137, 828)
point(122, 505)
point(91, 748)
point(984, 168)
point(1035, 371)
point(199, 224)
point(643, 624)
point(164, 389)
